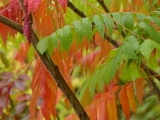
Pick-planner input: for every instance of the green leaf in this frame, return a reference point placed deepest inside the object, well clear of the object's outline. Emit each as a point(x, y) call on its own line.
point(87, 25)
point(67, 37)
point(150, 31)
point(79, 30)
point(99, 24)
point(147, 47)
point(50, 49)
point(156, 20)
point(141, 17)
point(109, 24)
point(42, 45)
point(94, 80)
point(128, 20)
point(128, 50)
point(119, 18)
point(54, 39)
point(134, 43)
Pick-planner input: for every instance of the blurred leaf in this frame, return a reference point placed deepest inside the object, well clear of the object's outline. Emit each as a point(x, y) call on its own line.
point(42, 45)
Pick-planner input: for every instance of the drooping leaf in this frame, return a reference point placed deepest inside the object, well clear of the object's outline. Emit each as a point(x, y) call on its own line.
point(134, 43)
point(79, 30)
point(128, 48)
point(141, 17)
point(42, 45)
point(119, 18)
point(139, 83)
point(87, 28)
point(12, 11)
point(151, 32)
point(99, 24)
point(147, 47)
point(42, 84)
point(32, 5)
point(54, 39)
point(128, 20)
point(111, 107)
point(109, 24)
point(65, 36)
point(156, 20)
point(94, 80)
point(102, 111)
point(124, 102)
point(130, 94)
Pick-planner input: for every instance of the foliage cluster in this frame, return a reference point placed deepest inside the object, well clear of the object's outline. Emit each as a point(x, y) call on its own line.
point(104, 50)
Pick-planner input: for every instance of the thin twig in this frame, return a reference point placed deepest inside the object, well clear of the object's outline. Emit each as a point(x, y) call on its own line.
point(113, 19)
point(52, 68)
point(101, 2)
point(115, 44)
point(151, 81)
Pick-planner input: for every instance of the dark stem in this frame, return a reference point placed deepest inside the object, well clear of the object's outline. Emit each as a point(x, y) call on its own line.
point(101, 2)
point(53, 69)
point(77, 11)
point(151, 81)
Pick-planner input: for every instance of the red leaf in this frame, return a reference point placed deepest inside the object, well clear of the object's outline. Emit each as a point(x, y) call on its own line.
point(26, 27)
point(130, 94)
point(11, 11)
point(102, 111)
point(139, 89)
point(46, 22)
point(124, 101)
point(63, 3)
point(35, 96)
point(32, 5)
point(42, 84)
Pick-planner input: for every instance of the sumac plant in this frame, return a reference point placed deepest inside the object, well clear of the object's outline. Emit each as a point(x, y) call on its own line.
point(97, 57)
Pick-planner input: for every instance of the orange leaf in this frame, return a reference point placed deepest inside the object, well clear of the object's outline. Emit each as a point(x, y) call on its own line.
point(72, 117)
point(42, 84)
point(139, 89)
point(13, 12)
point(32, 107)
point(102, 111)
point(111, 107)
point(130, 94)
point(124, 101)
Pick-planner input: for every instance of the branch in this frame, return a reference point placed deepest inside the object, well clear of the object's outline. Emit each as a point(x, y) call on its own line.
point(115, 44)
point(151, 80)
point(101, 2)
point(52, 68)
point(77, 11)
